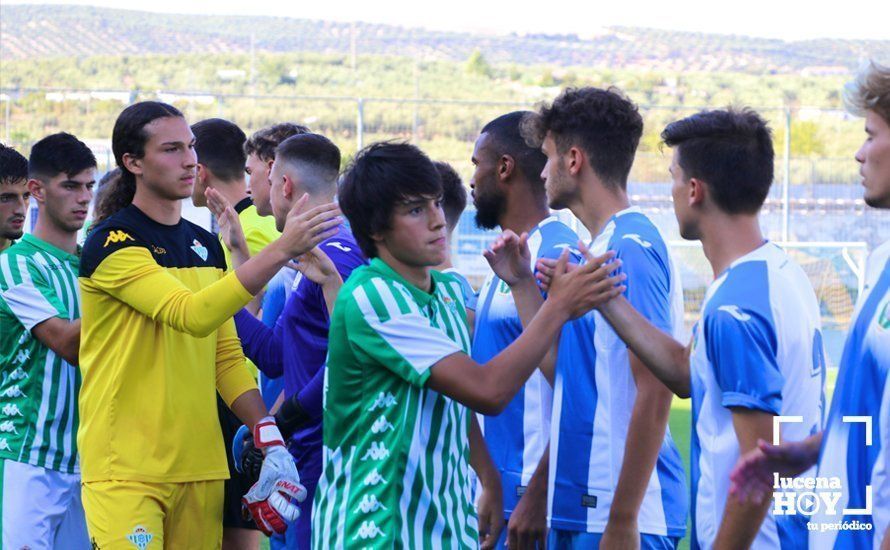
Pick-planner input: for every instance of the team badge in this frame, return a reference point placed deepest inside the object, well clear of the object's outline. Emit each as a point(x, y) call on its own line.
point(199, 249)
point(140, 537)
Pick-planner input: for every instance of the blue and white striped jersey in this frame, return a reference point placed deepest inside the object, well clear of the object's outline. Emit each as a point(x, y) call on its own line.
point(594, 394)
point(862, 391)
point(518, 436)
point(757, 346)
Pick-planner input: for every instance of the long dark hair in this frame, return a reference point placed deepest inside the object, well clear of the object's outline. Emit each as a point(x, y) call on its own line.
point(129, 137)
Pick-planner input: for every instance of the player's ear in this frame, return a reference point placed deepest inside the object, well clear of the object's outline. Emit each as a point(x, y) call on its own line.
point(697, 191)
point(36, 188)
point(506, 165)
point(288, 187)
point(574, 160)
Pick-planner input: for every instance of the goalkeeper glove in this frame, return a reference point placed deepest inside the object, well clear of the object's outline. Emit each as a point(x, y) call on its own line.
point(270, 501)
point(248, 459)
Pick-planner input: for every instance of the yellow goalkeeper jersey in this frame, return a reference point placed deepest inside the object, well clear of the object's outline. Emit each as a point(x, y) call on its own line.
point(157, 343)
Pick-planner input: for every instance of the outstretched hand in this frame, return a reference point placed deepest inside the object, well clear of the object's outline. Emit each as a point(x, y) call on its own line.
point(509, 257)
point(229, 224)
point(588, 286)
point(752, 478)
point(317, 266)
point(304, 229)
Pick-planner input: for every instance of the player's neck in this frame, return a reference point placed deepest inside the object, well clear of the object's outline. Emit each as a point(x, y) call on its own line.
point(524, 211)
point(161, 209)
point(418, 276)
point(234, 192)
point(596, 205)
point(725, 239)
point(48, 232)
point(4, 243)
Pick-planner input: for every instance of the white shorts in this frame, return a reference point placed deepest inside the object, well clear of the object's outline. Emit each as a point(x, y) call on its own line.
point(41, 509)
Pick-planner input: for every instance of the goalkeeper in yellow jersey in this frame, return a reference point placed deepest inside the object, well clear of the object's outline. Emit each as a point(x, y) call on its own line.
point(158, 342)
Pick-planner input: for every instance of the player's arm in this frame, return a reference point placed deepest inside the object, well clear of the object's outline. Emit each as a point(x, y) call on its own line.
point(741, 347)
point(491, 502)
point(37, 307)
point(648, 291)
point(527, 527)
point(510, 259)
point(261, 344)
point(61, 336)
point(488, 388)
point(666, 358)
point(645, 436)
point(741, 521)
point(752, 477)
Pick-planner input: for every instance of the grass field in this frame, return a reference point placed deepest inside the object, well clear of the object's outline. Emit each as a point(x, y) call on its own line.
point(681, 425)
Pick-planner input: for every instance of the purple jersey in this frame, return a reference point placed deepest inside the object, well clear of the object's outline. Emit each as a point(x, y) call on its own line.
point(297, 348)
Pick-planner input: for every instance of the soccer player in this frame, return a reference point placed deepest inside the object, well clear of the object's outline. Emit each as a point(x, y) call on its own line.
point(398, 434)
point(260, 149)
point(39, 312)
point(616, 478)
point(219, 145)
point(14, 195)
point(509, 194)
point(454, 202)
point(756, 351)
point(298, 345)
point(863, 382)
point(158, 343)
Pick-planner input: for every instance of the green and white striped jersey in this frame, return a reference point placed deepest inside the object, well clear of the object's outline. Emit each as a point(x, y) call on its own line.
point(38, 392)
point(396, 470)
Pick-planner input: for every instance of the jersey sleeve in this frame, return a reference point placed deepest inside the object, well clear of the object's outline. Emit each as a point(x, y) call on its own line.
point(232, 377)
point(126, 270)
point(741, 347)
point(648, 279)
point(385, 328)
point(27, 293)
point(311, 397)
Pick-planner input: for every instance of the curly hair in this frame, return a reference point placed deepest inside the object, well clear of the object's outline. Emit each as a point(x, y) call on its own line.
point(605, 124)
point(869, 91)
point(264, 142)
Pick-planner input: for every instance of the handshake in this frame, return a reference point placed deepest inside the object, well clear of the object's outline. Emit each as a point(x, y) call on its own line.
point(263, 456)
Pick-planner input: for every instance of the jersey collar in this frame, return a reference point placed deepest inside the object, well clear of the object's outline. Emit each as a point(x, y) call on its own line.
point(422, 298)
point(50, 248)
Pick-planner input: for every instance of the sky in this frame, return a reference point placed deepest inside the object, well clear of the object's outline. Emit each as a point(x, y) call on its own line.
point(783, 19)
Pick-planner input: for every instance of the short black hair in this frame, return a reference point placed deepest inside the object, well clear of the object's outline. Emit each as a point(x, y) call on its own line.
point(315, 155)
point(57, 154)
point(505, 133)
point(220, 147)
point(264, 142)
point(13, 166)
point(605, 124)
point(731, 151)
point(379, 177)
point(454, 194)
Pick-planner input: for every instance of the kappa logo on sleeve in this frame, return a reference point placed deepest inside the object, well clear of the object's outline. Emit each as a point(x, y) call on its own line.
point(117, 236)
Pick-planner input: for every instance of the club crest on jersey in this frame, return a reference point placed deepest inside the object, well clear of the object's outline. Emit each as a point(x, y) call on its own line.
point(199, 249)
point(140, 537)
